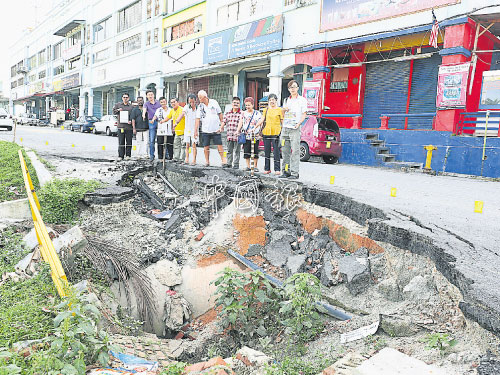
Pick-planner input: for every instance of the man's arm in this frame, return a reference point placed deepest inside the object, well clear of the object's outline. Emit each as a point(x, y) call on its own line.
point(180, 118)
point(196, 127)
point(116, 109)
point(302, 118)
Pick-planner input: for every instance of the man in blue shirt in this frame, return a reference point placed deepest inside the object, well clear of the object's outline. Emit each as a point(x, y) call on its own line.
point(149, 110)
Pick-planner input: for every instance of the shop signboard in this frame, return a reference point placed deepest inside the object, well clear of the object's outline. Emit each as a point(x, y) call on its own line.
point(252, 38)
point(452, 85)
point(57, 85)
point(36, 87)
point(70, 81)
point(336, 14)
point(490, 91)
point(312, 91)
point(73, 51)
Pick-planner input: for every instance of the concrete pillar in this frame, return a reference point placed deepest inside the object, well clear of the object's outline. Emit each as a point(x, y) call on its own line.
point(275, 76)
point(242, 78)
point(81, 103)
point(235, 85)
point(91, 102)
point(159, 88)
point(47, 106)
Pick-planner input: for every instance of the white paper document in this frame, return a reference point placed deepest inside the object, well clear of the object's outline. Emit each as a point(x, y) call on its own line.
point(124, 117)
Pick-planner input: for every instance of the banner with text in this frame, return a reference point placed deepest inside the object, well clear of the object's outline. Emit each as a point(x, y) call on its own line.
point(452, 86)
point(260, 36)
point(312, 91)
point(336, 14)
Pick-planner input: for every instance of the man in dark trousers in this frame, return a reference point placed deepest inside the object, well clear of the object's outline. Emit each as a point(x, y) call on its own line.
point(140, 129)
point(125, 131)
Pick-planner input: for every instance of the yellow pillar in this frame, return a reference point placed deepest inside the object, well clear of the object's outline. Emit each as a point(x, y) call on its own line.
point(428, 159)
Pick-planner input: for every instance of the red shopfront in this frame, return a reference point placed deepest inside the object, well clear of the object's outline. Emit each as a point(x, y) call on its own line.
point(396, 75)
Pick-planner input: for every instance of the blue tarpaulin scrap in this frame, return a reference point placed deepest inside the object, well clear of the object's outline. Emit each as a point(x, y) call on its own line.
point(127, 365)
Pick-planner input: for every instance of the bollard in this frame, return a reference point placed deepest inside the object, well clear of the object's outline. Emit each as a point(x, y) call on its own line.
point(384, 125)
point(46, 143)
point(332, 180)
point(428, 159)
point(225, 154)
point(73, 145)
point(103, 148)
point(393, 192)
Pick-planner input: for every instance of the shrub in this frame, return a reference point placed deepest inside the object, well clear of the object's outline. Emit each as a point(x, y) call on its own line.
point(59, 199)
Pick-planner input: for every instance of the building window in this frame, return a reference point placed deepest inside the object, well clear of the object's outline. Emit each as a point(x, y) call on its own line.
point(49, 53)
point(101, 30)
point(157, 7)
point(238, 11)
point(32, 62)
point(13, 84)
point(148, 38)
point(57, 51)
point(20, 81)
point(183, 29)
point(156, 32)
point(74, 63)
point(75, 38)
point(101, 55)
point(128, 45)
point(339, 79)
point(130, 16)
point(13, 71)
point(32, 78)
point(149, 5)
point(42, 74)
point(172, 6)
point(58, 70)
point(41, 57)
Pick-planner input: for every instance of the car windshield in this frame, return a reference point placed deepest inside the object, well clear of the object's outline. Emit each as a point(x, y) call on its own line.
point(92, 118)
point(3, 112)
point(328, 125)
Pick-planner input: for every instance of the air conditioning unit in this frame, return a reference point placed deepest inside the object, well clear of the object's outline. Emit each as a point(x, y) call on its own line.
point(22, 70)
point(303, 3)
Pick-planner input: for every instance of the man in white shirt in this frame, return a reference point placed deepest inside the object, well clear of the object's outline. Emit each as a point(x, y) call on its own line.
point(189, 114)
point(295, 108)
point(209, 115)
point(165, 136)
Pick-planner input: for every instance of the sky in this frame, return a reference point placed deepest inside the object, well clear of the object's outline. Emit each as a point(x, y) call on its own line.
point(16, 16)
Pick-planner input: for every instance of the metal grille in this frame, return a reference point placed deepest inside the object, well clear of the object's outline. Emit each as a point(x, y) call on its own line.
point(97, 107)
point(220, 89)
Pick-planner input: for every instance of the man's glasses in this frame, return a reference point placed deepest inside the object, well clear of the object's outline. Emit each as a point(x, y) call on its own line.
point(293, 87)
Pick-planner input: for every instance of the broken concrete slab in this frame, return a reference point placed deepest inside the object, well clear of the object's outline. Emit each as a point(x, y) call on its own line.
point(254, 249)
point(389, 288)
point(418, 289)
point(42, 172)
point(15, 210)
point(355, 273)
point(398, 327)
point(24, 263)
point(73, 239)
point(295, 264)
point(277, 253)
point(31, 241)
point(167, 272)
point(109, 194)
point(392, 362)
point(173, 222)
point(329, 271)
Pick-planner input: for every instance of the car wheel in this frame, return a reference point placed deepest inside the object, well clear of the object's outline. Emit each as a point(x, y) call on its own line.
point(72, 128)
point(81, 129)
point(330, 159)
point(94, 131)
point(108, 131)
point(9, 128)
point(304, 152)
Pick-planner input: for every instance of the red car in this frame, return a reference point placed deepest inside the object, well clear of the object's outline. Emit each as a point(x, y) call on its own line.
point(319, 137)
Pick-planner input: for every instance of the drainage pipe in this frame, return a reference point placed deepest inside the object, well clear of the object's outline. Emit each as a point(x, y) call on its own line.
point(328, 309)
point(168, 183)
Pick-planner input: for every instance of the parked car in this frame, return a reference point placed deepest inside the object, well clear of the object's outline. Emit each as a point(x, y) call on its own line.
point(319, 136)
point(67, 124)
point(5, 120)
point(108, 124)
point(44, 122)
point(84, 124)
point(27, 119)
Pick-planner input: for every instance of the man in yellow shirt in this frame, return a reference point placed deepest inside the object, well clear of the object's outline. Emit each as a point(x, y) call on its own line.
point(179, 145)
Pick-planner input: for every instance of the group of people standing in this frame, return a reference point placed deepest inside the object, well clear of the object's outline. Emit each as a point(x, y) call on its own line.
point(176, 130)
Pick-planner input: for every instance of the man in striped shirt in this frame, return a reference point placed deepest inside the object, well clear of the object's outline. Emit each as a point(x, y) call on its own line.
point(230, 121)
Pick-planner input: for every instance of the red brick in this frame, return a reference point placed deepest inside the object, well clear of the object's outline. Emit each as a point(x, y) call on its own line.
point(328, 371)
point(243, 359)
point(217, 361)
point(199, 236)
point(193, 368)
point(179, 336)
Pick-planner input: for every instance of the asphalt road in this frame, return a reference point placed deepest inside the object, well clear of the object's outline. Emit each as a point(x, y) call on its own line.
point(445, 201)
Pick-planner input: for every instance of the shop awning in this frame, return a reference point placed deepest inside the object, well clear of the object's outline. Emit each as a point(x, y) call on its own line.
point(63, 31)
point(490, 21)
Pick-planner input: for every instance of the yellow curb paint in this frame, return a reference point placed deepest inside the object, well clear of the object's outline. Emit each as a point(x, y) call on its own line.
point(393, 192)
point(21, 139)
point(332, 180)
point(286, 167)
point(46, 143)
point(72, 145)
point(478, 207)
point(103, 148)
point(328, 144)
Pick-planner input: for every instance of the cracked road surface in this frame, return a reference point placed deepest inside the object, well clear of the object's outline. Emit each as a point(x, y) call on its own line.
point(443, 201)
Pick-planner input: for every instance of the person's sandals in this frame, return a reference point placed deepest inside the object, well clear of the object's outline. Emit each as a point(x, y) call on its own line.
point(266, 172)
point(207, 165)
point(248, 169)
point(277, 173)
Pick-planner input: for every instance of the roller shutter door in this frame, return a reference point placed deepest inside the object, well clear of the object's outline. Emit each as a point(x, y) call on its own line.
point(423, 91)
point(97, 106)
point(386, 91)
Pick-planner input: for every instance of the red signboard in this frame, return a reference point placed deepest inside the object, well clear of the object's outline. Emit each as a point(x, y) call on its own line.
point(452, 85)
point(312, 91)
point(336, 14)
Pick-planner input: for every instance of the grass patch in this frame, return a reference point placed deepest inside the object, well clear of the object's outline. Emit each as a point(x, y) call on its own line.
point(59, 199)
point(11, 175)
point(21, 303)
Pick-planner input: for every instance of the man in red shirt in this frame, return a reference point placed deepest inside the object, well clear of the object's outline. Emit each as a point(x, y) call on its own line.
point(230, 121)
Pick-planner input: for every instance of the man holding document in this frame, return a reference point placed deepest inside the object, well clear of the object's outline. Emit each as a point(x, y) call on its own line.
point(125, 130)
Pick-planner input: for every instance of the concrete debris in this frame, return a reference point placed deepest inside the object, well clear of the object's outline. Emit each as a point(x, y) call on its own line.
point(396, 326)
point(27, 264)
point(150, 194)
point(418, 289)
point(18, 209)
point(329, 275)
point(73, 239)
point(389, 288)
point(392, 362)
point(355, 273)
point(345, 365)
point(31, 241)
point(177, 312)
point(278, 252)
point(109, 194)
point(254, 249)
point(167, 272)
point(249, 361)
point(295, 264)
point(489, 365)
point(173, 223)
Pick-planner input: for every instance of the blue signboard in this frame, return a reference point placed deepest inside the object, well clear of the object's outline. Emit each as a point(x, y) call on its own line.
point(256, 37)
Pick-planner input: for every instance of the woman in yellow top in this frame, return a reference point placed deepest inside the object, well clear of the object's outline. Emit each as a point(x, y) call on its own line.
point(273, 118)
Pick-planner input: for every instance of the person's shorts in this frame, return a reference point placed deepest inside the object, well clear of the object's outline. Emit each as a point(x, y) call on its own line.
point(190, 140)
point(215, 137)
